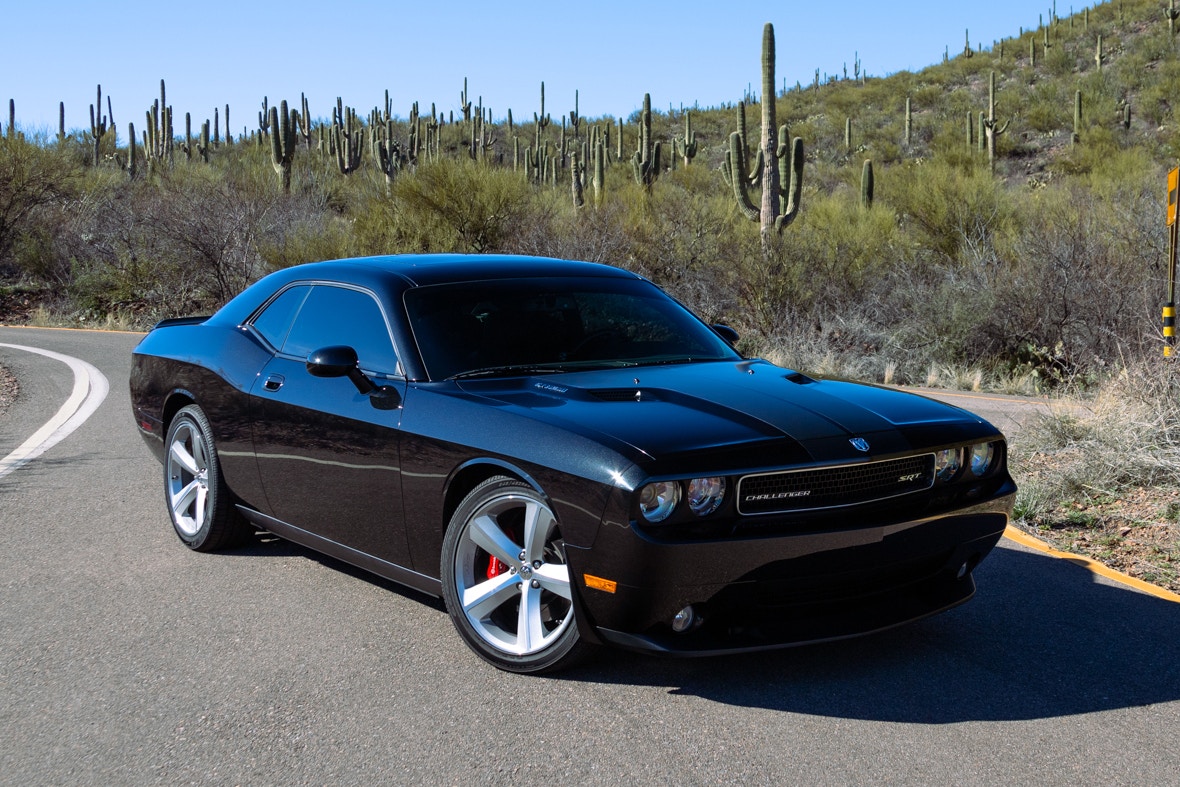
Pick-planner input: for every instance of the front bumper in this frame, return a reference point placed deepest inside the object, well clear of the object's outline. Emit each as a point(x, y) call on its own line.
point(773, 592)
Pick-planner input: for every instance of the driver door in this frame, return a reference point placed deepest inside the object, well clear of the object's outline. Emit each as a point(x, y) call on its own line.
point(327, 454)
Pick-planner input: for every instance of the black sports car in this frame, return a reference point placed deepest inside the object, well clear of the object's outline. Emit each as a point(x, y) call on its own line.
point(567, 456)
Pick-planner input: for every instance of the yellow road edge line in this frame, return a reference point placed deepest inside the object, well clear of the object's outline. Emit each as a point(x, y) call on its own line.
point(68, 328)
point(1024, 539)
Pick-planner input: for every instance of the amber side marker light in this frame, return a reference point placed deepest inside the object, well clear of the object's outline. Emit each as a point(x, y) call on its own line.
point(598, 583)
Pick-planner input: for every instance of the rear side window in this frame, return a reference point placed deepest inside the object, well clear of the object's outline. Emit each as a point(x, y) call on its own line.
point(338, 315)
point(275, 321)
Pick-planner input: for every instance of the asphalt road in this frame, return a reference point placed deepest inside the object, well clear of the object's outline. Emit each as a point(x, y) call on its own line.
point(127, 659)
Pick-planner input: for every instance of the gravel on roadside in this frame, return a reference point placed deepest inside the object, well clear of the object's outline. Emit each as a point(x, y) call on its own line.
point(8, 389)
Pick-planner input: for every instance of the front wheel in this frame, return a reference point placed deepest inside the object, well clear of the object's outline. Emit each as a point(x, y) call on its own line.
point(198, 500)
point(505, 579)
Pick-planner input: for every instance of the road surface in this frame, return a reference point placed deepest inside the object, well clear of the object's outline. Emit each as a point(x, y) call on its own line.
point(127, 659)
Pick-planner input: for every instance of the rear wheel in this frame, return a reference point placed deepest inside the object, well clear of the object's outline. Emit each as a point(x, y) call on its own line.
point(199, 502)
point(505, 579)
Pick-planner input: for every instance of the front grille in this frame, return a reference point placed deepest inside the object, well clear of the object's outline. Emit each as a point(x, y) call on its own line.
point(835, 486)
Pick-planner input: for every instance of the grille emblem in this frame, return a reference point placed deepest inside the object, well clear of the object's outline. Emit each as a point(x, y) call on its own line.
point(860, 444)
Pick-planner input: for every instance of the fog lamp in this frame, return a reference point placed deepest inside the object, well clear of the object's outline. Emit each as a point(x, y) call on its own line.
point(682, 621)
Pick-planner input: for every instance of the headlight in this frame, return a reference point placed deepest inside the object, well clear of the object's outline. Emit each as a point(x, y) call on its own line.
point(658, 500)
point(983, 455)
point(705, 495)
point(947, 463)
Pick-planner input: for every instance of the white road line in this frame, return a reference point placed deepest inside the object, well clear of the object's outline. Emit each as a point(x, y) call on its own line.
point(90, 389)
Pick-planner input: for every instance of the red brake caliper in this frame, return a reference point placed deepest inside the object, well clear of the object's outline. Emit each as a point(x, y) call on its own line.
point(495, 567)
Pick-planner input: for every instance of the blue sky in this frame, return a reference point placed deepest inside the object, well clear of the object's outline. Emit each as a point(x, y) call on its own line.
point(214, 53)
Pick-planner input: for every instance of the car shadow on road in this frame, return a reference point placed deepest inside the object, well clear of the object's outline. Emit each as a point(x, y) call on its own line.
point(1042, 638)
point(264, 544)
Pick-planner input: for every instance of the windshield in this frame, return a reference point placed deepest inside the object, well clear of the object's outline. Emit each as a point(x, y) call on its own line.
point(530, 326)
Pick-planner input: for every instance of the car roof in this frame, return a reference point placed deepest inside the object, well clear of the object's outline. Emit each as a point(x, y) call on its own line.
point(394, 273)
point(426, 269)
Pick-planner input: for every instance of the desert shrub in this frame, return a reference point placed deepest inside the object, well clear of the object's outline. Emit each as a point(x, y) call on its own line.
point(1046, 108)
point(446, 205)
point(946, 208)
point(311, 237)
point(821, 265)
point(1077, 284)
point(33, 176)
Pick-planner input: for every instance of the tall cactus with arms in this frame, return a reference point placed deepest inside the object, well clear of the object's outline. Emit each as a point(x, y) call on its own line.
point(282, 143)
point(778, 209)
point(646, 161)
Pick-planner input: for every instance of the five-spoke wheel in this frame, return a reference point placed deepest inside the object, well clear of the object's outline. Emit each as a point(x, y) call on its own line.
point(506, 581)
point(198, 500)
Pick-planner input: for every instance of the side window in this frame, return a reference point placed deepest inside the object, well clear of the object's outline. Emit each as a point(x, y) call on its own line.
point(338, 315)
point(275, 321)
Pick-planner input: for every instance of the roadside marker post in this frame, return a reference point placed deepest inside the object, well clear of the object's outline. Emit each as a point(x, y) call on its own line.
point(1169, 315)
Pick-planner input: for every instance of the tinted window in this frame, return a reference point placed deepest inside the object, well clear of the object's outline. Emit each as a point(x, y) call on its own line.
point(275, 320)
point(338, 315)
point(559, 324)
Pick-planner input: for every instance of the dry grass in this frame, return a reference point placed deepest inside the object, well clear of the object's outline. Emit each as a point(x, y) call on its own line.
point(1105, 481)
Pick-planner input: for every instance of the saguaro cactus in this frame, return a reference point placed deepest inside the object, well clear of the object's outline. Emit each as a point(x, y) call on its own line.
point(646, 161)
point(98, 125)
point(131, 157)
point(203, 142)
point(158, 135)
point(866, 184)
point(991, 125)
point(576, 181)
point(689, 147)
point(753, 177)
point(909, 122)
point(778, 208)
point(599, 176)
point(282, 143)
point(348, 139)
point(542, 120)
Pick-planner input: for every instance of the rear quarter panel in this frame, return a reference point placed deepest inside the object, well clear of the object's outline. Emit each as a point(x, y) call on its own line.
point(213, 367)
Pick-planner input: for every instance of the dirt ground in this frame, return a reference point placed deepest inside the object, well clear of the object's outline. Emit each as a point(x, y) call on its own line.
point(1136, 532)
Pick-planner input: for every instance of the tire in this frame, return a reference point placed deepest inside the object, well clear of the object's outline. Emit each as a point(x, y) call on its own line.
point(199, 503)
point(505, 579)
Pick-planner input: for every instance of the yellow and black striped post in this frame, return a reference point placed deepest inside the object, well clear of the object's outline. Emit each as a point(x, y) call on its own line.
point(1169, 327)
point(1169, 315)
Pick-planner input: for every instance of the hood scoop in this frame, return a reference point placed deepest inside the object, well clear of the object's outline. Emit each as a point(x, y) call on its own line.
point(622, 395)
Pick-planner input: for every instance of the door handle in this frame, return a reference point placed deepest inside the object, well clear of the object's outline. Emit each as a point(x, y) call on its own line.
point(273, 383)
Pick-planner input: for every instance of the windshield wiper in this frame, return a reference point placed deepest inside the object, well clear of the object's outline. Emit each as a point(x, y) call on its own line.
point(514, 369)
point(666, 361)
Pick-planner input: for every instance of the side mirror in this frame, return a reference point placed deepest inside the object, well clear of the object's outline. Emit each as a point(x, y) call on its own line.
point(728, 334)
point(339, 361)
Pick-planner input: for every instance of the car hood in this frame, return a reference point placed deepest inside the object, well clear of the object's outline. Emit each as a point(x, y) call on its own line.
point(734, 408)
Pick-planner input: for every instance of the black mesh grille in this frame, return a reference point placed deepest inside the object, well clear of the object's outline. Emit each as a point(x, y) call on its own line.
point(831, 487)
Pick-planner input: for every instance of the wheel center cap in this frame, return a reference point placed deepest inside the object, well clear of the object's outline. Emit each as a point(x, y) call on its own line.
point(526, 570)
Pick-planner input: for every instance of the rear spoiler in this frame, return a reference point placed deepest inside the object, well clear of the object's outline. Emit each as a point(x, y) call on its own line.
point(168, 323)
